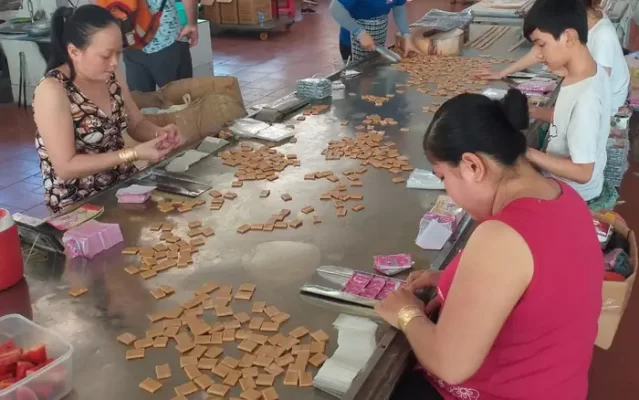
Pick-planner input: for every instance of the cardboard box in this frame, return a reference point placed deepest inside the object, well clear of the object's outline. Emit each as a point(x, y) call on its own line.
point(229, 12)
point(249, 9)
point(616, 294)
point(212, 12)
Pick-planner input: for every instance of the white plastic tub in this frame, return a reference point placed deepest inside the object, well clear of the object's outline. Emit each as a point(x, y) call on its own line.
point(52, 382)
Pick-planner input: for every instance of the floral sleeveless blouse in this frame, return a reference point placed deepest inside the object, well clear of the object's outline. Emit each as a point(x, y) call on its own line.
point(94, 133)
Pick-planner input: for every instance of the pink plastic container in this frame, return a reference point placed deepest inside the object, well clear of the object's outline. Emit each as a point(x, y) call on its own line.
point(11, 265)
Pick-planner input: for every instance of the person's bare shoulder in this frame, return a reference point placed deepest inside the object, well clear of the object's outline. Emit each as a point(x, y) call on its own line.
point(51, 93)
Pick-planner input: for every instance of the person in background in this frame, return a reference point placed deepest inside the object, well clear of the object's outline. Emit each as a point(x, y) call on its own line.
point(604, 46)
point(167, 57)
point(500, 334)
point(364, 25)
point(580, 121)
point(81, 108)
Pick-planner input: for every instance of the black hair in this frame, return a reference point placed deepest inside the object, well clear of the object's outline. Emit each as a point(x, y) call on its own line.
point(69, 26)
point(473, 123)
point(555, 17)
point(593, 4)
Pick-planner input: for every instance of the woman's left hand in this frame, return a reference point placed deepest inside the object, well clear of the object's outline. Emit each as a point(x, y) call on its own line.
point(173, 137)
point(409, 46)
point(390, 307)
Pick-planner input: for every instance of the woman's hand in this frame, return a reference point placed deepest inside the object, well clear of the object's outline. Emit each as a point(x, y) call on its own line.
point(173, 137)
point(409, 46)
point(153, 150)
point(367, 41)
point(488, 74)
point(422, 279)
point(388, 309)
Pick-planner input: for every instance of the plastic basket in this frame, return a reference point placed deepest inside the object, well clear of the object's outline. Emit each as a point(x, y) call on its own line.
point(52, 382)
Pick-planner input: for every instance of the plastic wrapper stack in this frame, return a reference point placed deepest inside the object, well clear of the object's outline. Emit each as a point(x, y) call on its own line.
point(134, 194)
point(314, 88)
point(371, 286)
point(439, 224)
point(91, 238)
point(393, 264)
point(356, 344)
point(537, 86)
point(617, 148)
point(249, 128)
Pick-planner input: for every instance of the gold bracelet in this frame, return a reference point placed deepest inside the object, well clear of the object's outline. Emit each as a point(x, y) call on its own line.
point(128, 155)
point(406, 315)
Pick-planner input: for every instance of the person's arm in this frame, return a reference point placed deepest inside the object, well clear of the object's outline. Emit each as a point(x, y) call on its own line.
point(545, 114)
point(523, 63)
point(401, 19)
point(190, 29)
point(344, 19)
point(55, 125)
point(563, 167)
point(486, 287)
point(190, 9)
point(583, 137)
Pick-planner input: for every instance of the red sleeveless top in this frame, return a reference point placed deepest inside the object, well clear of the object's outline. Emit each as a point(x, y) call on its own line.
point(545, 347)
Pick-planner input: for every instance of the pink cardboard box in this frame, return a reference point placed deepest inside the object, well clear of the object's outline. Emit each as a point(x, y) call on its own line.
point(91, 238)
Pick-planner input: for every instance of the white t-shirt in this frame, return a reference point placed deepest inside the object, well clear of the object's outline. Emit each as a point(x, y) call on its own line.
point(580, 128)
point(605, 48)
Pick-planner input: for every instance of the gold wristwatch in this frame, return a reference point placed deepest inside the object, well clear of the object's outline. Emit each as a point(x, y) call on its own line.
point(406, 315)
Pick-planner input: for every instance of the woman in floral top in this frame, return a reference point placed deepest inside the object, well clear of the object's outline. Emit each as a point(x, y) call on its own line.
point(83, 106)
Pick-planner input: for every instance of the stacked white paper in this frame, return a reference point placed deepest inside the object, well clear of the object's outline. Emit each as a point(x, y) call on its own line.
point(355, 345)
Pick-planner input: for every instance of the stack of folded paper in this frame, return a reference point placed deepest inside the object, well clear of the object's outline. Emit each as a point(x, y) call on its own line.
point(356, 344)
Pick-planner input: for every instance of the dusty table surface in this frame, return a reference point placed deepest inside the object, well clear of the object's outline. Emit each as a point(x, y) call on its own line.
point(278, 262)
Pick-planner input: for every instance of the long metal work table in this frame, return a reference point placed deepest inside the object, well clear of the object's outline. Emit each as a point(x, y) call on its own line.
point(278, 262)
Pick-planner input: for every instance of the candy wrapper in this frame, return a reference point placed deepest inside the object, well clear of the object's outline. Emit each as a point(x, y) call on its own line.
point(439, 224)
point(537, 86)
point(134, 194)
point(370, 286)
point(393, 264)
point(604, 231)
point(91, 238)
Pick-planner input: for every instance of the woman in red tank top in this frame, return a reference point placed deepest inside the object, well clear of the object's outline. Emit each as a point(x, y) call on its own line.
point(519, 306)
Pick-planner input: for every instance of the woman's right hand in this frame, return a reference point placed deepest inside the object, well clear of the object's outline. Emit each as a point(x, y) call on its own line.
point(153, 150)
point(367, 41)
point(488, 74)
point(422, 279)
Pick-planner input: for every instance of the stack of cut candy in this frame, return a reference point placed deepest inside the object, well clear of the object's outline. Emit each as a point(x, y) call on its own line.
point(356, 344)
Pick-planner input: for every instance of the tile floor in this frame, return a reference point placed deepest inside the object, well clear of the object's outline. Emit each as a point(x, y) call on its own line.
point(267, 70)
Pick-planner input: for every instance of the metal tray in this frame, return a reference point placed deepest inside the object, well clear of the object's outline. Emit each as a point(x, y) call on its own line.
point(328, 281)
point(172, 183)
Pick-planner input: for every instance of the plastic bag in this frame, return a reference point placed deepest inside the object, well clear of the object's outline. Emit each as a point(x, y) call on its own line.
point(275, 133)
point(314, 88)
point(247, 127)
point(424, 179)
point(439, 224)
point(134, 194)
point(494, 93)
point(444, 20)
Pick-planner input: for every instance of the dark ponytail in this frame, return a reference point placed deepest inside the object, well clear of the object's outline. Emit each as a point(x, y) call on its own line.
point(69, 26)
point(473, 123)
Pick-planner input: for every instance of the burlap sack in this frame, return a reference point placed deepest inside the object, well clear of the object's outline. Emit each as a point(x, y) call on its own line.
point(214, 103)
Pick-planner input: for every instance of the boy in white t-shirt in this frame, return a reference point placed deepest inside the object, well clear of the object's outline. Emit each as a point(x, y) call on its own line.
point(580, 120)
point(604, 47)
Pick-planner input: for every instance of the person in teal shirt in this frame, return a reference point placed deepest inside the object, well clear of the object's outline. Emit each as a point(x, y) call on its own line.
point(364, 24)
point(167, 57)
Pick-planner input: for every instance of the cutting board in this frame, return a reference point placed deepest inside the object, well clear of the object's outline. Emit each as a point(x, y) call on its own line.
point(441, 44)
